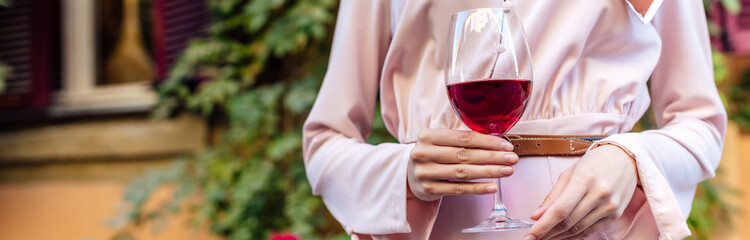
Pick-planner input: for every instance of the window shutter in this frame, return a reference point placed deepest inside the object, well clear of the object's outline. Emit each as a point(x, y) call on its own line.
point(27, 44)
point(175, 23)
point(735, 35)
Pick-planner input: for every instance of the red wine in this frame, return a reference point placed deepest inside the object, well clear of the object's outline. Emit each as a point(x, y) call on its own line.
point(490, 106)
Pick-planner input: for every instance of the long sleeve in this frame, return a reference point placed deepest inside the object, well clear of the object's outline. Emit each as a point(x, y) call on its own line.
point(362, 185)
point(686, 148)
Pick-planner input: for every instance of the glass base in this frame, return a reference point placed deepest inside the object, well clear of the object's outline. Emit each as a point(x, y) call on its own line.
point(497, 224)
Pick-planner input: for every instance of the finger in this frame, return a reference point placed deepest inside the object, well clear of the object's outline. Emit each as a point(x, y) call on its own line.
point(453, 155)
point(562, 182)
point(465, 139)
point(443, 188)
point(461, 172)
point(598, 225)
point(559, 210)
point(568, 228)
point(594, 216)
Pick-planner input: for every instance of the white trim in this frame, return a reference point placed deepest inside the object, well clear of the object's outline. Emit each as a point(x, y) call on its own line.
point(79, 92)
point(650, 13)
point(107, 98)
point(79, 45)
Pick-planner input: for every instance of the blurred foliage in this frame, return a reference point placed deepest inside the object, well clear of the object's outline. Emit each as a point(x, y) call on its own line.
point(739, 97)
point(732, 6)
point(735, 95)
point(4, 69)
point(4, 73)
point(711, 210)
point(254, 79)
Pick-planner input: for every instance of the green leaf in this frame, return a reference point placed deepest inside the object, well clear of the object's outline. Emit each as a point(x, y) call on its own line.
point(5, 71)
point(733, 6)
point(721, 72)
point(286, 144)
point(714, 30)
point(217, 91)
point(301, 97)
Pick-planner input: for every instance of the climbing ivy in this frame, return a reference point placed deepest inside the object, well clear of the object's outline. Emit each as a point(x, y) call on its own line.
point(253, 78)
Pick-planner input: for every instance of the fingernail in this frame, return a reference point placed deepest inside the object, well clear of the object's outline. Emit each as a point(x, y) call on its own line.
point(529, 237)
point(506, 170)
point(511, 158)
point(507, 146)
point(490, 189)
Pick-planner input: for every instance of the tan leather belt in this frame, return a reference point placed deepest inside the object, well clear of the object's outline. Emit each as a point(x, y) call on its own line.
point(552, 145)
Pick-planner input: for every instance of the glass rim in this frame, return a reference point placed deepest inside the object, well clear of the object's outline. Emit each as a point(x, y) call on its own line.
point(456, 14)
point(499, 11)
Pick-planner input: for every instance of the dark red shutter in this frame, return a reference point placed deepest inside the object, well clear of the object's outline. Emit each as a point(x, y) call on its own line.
point(176, 22)
point(735, 35)
point(28, 38)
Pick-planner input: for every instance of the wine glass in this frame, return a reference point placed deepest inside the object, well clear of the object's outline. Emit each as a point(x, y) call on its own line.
point(488, 78)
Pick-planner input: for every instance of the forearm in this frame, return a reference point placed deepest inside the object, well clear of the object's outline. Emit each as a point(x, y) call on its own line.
point(363, 185)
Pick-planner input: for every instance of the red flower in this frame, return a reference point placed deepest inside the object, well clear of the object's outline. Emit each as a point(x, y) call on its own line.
point(283, 236)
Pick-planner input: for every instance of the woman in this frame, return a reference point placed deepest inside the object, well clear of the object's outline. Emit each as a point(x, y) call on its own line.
point(593, 61)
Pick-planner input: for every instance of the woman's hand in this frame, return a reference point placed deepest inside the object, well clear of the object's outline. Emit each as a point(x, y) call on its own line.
point(443, 159)
point(588, 196)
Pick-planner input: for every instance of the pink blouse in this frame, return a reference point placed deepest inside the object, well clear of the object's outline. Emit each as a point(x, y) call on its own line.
point(592, 63)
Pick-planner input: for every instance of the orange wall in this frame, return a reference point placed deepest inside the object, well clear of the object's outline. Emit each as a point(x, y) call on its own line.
point(43, 210)
point(735, 168)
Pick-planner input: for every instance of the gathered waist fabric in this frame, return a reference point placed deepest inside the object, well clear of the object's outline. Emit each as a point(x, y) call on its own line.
point(579, 124)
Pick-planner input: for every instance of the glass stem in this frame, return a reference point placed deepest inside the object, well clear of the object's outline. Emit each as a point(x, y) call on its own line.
point(498, 210)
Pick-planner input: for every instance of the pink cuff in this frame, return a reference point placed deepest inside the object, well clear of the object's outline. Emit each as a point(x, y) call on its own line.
point(660, 197)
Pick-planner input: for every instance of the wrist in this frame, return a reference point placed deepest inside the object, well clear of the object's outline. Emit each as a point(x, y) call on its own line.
point(629, 155)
